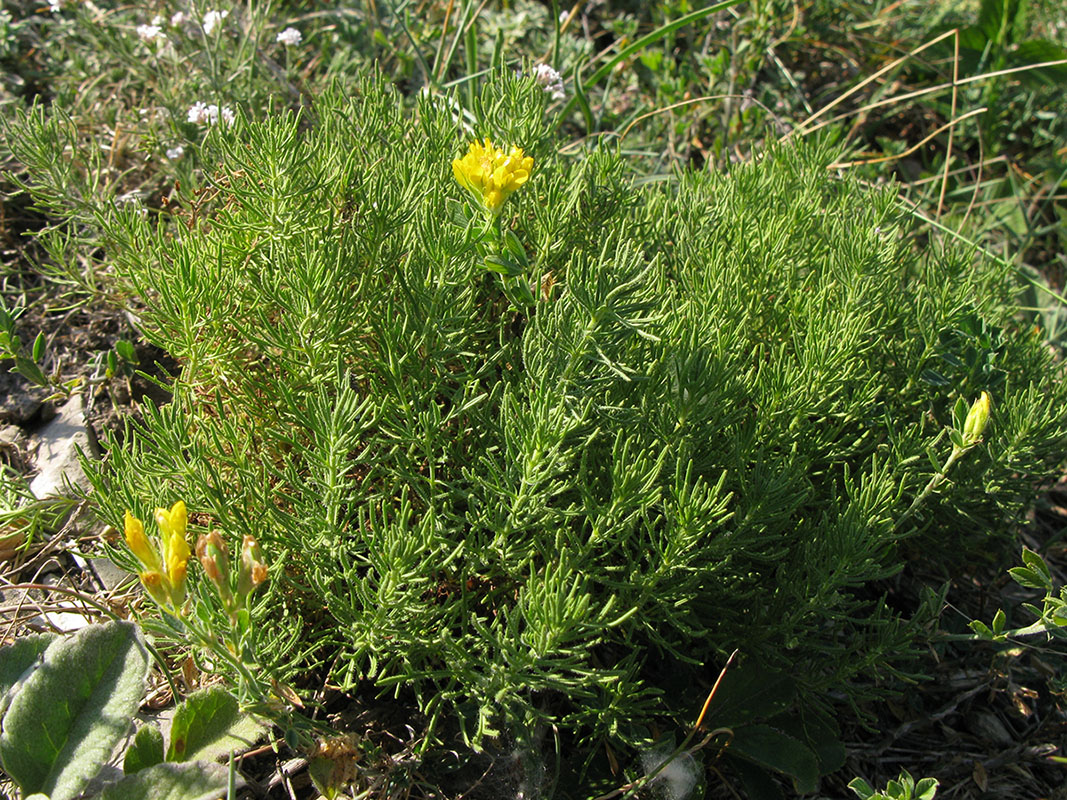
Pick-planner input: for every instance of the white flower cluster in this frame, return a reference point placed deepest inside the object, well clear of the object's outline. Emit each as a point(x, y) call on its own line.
point(212, 19)
point(151, 33)
point(55, 6)
point(204, 114)
point(176, 152)
point(290, 37)
point(551, 80)
point(178, 18)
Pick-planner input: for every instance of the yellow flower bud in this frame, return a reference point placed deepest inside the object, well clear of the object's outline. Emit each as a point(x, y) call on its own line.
point(490, 174)
point(175, 548)
point(172, 523)
point(139, 544)
point(977, 419)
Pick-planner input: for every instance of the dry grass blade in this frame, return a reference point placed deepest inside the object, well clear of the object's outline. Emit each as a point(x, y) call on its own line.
point(882, 159)
point(804, 128)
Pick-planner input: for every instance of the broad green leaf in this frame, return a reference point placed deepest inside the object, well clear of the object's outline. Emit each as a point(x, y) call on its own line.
point(957, 439)
point(991, 17)
point(503, 265)
point(145, 751)
point(1028, 578)
point(192, 781)
point(72, 710)
point(1003, 21)
point(907, 782)
point(863, 789)
point(16, 659)
point(1035, 562)
point(770, 747)
point(209, 724)
point(126, 350)
point(959, 413)
point(998, 621)
point(514, 246)
point(926, 788)
point(38, 346)
point(980, 628)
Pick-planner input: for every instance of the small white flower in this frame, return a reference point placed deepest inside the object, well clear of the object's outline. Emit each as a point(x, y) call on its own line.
point(290, 37)
point(212, 19)
point(204, 114)
point(150, 33)
point(551, 80)
point(157, 20)
point(198, 113)
point(55, 6)
point(176, 152)
point(178, 18)
point(563, 15)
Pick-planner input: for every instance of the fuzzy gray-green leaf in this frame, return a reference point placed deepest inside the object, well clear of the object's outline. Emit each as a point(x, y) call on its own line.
point(146, 750)
point(70, 713)
point(193, 781)
point(209, 724)
point(16, 658)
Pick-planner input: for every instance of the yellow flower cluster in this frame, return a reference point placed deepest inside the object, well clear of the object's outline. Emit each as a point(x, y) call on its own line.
point(491, 175)
point(163, 577)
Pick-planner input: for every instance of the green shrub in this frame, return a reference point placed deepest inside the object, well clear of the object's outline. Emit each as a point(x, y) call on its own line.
point(707, 433)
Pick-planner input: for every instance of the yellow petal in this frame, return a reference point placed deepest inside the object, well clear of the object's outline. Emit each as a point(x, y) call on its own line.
point(172, 523)
point(491, 174)
point(139, 544)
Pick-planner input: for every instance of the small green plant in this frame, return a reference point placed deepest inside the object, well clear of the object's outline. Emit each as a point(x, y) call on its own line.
point(714, 424)
point(490, 175)
point(1051, 614)
point(903, 788)
point(216, 618)
point(66, 703)
point(25, 518)
point(27, 362)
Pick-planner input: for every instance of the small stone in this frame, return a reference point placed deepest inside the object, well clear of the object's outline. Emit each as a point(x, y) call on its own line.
point(19, 399)
point(57, 455)
point(109, 576)
point(9, 434)
point(47, 413)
